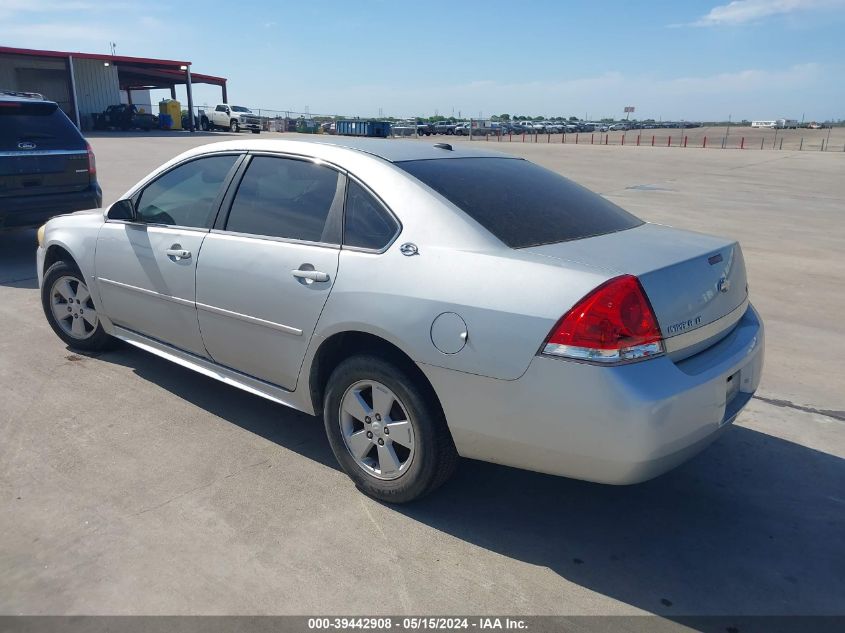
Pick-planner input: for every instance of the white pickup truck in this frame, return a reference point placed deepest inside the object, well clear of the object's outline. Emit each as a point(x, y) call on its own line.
point(230, 117)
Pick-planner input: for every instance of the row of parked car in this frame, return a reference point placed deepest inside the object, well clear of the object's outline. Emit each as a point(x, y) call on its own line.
point(537, 127)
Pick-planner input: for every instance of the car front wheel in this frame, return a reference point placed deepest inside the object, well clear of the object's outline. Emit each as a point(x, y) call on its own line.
point(233, 126)
point(69, 309)
point(386, 430)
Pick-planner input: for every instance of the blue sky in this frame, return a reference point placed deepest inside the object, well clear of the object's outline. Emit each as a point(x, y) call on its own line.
point(691, 59)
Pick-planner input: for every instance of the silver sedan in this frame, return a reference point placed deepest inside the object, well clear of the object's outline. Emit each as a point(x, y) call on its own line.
point(429, 302)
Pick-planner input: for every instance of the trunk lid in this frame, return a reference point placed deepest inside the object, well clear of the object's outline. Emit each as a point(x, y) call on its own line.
point(41, 152)
point(696, 283)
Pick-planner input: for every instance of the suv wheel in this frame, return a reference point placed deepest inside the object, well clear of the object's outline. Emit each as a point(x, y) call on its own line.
point(233, 126)
point(70, 310)
point(388, 434)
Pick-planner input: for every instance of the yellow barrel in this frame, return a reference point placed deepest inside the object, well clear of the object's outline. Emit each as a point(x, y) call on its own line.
point(174, 109)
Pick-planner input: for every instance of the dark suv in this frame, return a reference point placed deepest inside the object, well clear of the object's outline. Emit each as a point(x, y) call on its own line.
point(46, 166)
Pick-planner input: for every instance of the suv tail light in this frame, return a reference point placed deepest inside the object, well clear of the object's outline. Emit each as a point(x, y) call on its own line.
point(613, 323)
point(92, 162)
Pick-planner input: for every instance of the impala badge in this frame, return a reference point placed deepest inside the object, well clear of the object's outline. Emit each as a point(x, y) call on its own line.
point(724, 284)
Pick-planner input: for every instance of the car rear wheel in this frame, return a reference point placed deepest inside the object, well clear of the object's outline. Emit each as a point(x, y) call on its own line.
point(69, 309)
point(204, 125)
point(387, 432)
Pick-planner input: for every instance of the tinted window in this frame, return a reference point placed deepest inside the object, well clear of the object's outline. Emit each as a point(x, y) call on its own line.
point(281, 197)
point(519, 202)
point(41, 123)
point(185, 196)
point(366, 223)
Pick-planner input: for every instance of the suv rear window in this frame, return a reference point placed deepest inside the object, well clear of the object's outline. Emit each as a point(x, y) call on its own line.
point(38, 122)
point(519, 202)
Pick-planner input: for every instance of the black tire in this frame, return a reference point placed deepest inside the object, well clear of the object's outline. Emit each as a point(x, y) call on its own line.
point(234, 126)
point(94, 342)
point(204, 124)
point(435, 457)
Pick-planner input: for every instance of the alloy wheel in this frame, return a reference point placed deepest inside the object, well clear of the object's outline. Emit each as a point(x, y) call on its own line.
point(377, 430)
point(73, 308)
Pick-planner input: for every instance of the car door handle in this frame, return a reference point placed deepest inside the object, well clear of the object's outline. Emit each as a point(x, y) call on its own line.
point(178, 253)
point(310, 275)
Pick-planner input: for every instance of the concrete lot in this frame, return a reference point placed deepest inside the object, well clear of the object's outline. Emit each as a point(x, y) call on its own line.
point(130, 485)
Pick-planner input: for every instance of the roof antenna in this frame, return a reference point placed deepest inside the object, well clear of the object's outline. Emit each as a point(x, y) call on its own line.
point(443, 146)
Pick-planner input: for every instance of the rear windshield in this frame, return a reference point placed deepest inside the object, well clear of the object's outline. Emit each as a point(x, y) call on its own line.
point(42, 124)
point(519, 202)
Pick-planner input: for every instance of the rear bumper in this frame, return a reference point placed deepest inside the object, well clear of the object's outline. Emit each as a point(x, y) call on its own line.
point(28, 211)
point(615, 425)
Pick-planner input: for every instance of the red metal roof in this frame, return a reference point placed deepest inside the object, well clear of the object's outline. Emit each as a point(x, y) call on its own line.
point(162, 67)
point(105, 57)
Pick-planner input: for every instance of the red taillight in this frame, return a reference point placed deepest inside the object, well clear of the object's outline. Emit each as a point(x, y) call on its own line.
point(92, 163)
point(614, 323)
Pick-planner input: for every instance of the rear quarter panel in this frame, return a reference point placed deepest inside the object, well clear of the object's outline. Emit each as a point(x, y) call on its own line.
point(510, 301)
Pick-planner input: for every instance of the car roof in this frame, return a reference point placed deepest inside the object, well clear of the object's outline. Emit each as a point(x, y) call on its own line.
point(9, 96)
point(391, 150)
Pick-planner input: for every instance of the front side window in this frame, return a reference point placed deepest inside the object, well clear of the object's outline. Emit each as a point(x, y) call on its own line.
point(366, 223)
point(185, 195)
point(288, 198)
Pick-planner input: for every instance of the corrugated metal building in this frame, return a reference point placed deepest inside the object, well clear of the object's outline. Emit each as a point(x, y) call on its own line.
point(87, 83)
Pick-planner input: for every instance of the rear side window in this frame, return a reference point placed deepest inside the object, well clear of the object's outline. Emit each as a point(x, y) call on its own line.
point(185, 195)
point(519, 202)
point(282, 197)
point(366, 223)
point(38, 123)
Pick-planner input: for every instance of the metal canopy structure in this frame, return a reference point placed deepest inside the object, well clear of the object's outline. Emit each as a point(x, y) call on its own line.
point(133, 73)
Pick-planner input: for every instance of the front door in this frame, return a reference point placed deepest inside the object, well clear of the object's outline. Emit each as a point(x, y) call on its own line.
point(146, 269)
point(264, 278)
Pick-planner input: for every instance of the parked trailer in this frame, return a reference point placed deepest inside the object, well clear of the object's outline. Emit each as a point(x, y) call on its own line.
point(379, 129)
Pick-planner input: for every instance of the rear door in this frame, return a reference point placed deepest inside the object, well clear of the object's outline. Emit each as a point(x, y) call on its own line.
point(219, 116)
point(41, 152)
point(146, 269)
point(266, 271)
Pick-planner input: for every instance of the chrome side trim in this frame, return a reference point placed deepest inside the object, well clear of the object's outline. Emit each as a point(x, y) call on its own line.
point(208, 368)
point(699, 335)
point(45, 152)
point(250, 319)
point(144, 291)
point(235, 235)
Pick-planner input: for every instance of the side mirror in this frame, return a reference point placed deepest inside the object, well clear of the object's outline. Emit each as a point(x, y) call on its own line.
point(228, 111)
point(122, 210)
